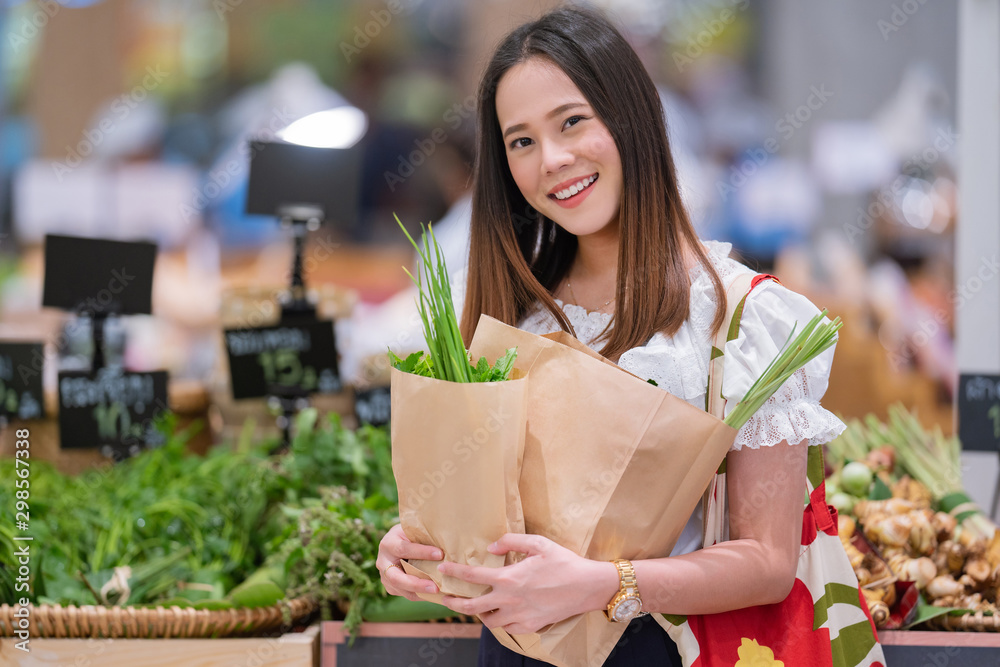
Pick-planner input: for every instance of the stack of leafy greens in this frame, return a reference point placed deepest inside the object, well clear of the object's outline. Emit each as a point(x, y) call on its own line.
point(231, 529)
point(446, 359)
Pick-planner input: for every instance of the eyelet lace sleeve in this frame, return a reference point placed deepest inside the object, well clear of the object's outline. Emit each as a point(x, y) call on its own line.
point(793, 413)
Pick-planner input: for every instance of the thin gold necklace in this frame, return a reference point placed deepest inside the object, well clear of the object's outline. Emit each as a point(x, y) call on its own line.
point(577, 301)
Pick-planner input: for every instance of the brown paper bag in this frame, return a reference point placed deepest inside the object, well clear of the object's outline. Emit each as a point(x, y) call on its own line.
point(612, 468)
point(456, 455)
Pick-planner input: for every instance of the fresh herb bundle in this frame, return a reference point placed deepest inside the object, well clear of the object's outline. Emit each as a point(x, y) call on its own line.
point(446, 359)
point(814, 339)
point(330, 553)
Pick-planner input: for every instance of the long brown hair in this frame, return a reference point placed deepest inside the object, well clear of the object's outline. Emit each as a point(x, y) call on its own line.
point(519, 256)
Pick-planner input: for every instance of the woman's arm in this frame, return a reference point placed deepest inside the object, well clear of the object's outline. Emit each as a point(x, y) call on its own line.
point(756, 566)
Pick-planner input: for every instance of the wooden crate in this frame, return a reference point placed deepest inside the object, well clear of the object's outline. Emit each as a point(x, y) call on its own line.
point(295, 649)
point(456, 645)
point(954, 649)
point(390, 644)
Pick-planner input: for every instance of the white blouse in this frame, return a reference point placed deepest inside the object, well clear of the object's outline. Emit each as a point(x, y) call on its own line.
point(679, 364)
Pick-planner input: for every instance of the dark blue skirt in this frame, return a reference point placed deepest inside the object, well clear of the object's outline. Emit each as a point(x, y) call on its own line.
point(644, 644)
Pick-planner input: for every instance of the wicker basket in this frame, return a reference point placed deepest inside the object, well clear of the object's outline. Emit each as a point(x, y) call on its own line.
point(153, 623)
point(978, 622)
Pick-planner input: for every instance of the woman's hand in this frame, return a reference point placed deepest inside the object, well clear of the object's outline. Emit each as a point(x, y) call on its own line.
point(551, 584)
point(394, 547)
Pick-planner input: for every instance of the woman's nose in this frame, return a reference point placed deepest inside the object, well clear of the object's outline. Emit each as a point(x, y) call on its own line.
point(555, 156)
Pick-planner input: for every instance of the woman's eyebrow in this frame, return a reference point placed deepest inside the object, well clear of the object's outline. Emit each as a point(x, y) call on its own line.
point(555, 112)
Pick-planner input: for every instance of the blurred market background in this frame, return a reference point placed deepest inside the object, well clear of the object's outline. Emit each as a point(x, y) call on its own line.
point(822, 140)
point(850, 148)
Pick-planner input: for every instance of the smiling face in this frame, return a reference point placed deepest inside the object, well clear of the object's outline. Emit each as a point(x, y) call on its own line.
point(561, 155)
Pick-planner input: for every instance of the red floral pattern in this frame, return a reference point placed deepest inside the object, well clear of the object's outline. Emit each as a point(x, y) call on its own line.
point(793, 647)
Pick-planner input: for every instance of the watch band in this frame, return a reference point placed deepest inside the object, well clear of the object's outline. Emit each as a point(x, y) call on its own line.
point(628, 588)
point(626, 574)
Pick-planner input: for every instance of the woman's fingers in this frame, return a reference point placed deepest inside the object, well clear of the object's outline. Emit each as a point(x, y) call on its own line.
point(532, 545)
point(395, 578)
point(506, 620)
point(493, 619)
point(394, 548)
point(471, 606)
point(486, 576)
point(413, 551)
point(397, 547)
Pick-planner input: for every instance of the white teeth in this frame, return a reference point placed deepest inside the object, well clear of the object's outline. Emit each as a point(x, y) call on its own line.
point(575, 188)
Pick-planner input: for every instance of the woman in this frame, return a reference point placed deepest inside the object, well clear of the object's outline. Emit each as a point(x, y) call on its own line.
point(577, 223)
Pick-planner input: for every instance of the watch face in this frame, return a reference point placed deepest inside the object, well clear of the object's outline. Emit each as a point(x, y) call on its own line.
point(627, 609)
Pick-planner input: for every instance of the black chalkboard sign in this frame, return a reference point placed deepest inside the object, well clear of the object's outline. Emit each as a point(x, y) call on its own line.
point(371, 406)
point(112, 409)
point(979, 412)
point(98, 276)
point(300, 355)
point(21, 394)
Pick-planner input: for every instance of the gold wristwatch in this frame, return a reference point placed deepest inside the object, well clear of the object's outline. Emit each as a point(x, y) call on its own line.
point(626, 604)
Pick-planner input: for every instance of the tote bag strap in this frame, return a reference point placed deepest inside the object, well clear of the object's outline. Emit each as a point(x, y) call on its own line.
point(715, 526)
point(736, 296)
point(816, 487)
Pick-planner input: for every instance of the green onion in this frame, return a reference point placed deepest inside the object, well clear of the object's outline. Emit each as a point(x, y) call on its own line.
point(813, 341)
point(446, 358)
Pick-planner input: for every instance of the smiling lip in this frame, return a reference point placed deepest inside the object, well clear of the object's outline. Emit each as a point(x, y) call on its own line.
point(574, 200)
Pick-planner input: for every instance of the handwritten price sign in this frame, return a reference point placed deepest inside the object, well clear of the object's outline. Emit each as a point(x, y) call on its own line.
point(302, 356)
point(21, 380)
point(113, 408)
point(979, 412)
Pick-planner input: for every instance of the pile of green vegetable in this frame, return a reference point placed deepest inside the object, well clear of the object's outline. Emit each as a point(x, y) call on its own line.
point(235, 528)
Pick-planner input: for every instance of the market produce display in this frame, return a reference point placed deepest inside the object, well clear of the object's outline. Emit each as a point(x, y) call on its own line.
point(234, 529)
point(904, 517)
